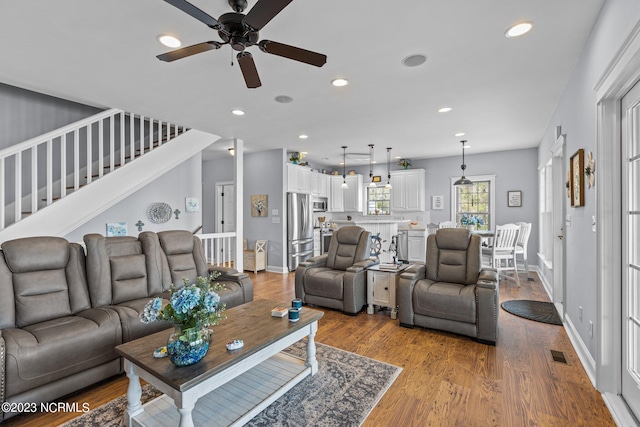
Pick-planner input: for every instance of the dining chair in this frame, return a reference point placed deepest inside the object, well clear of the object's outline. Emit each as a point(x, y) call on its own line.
point(503, 251)
point(448, 224)
point(521, 245)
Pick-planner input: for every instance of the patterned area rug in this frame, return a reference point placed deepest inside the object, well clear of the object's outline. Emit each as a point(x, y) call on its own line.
point(539, 311)
point(343, 393)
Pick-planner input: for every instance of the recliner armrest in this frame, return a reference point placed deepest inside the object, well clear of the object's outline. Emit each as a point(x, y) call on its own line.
point(415, 272)
point(224, 271)
point(488, 278)
point(316, 261)
point(2, 372)
point(361, 265)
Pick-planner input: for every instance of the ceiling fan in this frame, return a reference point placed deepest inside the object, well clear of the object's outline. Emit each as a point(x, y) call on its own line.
point(240, 32)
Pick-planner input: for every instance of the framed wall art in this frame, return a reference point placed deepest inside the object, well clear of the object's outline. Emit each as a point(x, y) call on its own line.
point(437, 202)
point(514, 199)
point(259, 205)
point(577, 178)
point(116, 229)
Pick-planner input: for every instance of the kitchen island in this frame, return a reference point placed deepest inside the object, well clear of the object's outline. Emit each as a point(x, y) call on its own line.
point(385, 228)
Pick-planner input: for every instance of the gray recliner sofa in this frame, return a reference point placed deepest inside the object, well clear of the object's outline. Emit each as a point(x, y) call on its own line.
point(338, 279)
point(62, 313)
point(452, 292)
point(52, 340)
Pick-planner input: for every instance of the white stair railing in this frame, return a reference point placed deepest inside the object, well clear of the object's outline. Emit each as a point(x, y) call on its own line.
point(37, 172)
point(218, 248)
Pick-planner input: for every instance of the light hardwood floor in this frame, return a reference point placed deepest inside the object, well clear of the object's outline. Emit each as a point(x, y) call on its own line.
point(447, 380)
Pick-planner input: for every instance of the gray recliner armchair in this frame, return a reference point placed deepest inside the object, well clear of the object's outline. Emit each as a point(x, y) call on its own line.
point(452, 292)
point(337, 279)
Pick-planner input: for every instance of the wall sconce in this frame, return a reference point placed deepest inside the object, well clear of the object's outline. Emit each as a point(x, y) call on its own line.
point(232, 151)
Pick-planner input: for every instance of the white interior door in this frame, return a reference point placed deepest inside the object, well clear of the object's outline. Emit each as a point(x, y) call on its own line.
point(631, 249)
point(557, 190)
point(225, 212)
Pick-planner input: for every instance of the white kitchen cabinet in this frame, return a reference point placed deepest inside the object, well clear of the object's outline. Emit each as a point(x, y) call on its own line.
point(336, 194)
point(345, 199)
point(417, 245)
point(320, 184)
point(353, 194)
point(298, 179)
point(408, 190)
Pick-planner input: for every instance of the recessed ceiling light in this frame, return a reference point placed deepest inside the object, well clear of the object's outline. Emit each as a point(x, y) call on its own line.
point(303, 136)
point(414, 60)
point(460, 134)
point(519, 29)
point(398, 157)
point(283, 99)
point(467, 145)
point(444, 109)
point(238, 112)
point(169, 41)
point(339, 82)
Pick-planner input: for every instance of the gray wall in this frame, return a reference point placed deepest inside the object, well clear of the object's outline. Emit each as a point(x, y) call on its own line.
point(172, 188)
point(576, 114)
point(514, 170)
point(25, 114)
point(263, 175)
point(213, 172)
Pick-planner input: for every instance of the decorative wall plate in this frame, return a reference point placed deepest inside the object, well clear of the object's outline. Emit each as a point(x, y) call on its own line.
point(159, 212)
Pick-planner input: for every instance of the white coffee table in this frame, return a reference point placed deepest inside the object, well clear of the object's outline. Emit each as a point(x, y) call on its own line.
point(226, 387)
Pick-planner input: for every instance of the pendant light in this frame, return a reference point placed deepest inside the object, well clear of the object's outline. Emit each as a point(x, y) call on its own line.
point(463, 181)
point(344, 167)
point(388, 168)
point(371, 184)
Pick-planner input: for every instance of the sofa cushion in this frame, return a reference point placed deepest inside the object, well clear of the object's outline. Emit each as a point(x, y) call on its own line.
point(132, 326)
point(346, 247)
point(40, 296)
point(324, 282)
point(45, 278)
point(44, 352)
point(128, 278)
point(184, 257)
point(451, 301)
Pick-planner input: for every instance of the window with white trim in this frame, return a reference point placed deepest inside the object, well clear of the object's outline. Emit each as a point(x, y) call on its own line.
point(477, 200)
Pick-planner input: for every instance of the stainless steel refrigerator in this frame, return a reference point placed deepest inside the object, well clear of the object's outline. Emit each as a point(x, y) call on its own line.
point(299, 229)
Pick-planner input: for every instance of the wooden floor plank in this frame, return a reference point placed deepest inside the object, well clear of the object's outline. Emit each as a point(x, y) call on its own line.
point(447, 378)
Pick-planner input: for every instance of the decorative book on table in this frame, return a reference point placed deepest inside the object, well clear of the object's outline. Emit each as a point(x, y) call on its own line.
point(279, 311)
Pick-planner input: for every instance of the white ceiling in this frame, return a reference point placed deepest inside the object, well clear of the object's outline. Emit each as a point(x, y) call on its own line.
point(503, 91)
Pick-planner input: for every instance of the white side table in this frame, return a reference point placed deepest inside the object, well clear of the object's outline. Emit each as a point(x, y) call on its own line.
point(381, 287)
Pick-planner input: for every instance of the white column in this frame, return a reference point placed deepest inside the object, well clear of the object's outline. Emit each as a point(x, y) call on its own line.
point(238, 178)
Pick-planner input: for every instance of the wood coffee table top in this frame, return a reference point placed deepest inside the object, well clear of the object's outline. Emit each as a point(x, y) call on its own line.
point(251, 322)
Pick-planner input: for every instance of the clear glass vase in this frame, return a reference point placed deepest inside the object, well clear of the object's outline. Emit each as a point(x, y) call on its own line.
point(187, 346)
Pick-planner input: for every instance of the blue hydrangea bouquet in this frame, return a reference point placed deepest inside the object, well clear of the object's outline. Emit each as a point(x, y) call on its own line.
point(471, 220)
point(191, 309)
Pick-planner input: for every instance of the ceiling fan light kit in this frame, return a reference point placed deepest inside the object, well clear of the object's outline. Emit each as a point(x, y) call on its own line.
point(240, 32)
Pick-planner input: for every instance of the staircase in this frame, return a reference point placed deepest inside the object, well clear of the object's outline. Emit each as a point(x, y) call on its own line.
point(68, 176)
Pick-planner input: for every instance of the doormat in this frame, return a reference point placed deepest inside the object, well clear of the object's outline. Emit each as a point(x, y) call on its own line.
point(539, 311)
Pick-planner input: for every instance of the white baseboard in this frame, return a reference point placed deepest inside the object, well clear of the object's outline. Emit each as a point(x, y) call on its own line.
point(588, 362)
point(276, 269)
point(619, 410)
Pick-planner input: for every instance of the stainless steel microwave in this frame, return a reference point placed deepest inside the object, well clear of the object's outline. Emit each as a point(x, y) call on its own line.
point(320, 204)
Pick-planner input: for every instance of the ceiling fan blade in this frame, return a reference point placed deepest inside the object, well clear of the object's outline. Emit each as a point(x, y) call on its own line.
point(263, 12)
point(190, 9)
point(188, 51)
point(292, 52)
point(249, 70)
